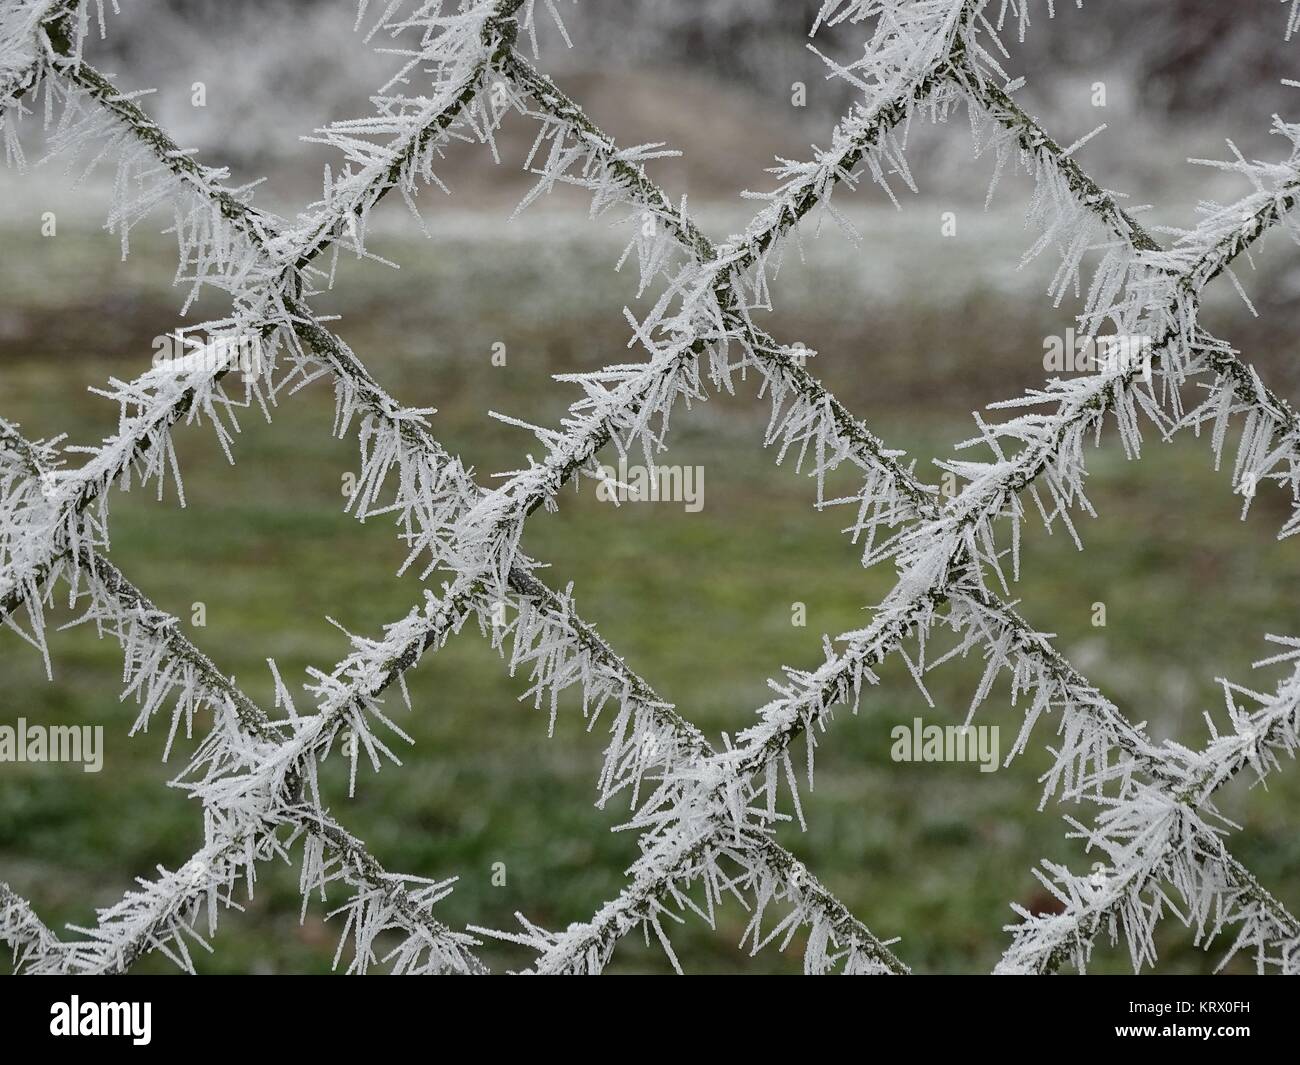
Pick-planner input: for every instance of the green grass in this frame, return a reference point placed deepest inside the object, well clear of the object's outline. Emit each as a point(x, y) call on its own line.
point(700, 604)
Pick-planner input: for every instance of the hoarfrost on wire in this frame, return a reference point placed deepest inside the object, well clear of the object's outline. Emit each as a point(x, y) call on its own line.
point(706, 816)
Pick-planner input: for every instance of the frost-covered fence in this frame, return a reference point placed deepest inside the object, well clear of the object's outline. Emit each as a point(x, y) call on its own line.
point(706, 816)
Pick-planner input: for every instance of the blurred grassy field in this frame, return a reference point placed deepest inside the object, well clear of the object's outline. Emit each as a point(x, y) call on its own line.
point(914, 333)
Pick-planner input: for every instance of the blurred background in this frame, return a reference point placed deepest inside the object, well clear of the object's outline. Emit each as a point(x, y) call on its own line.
point(914, 331)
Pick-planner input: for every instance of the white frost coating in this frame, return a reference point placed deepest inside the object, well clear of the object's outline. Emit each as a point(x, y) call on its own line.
point(707, 816)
